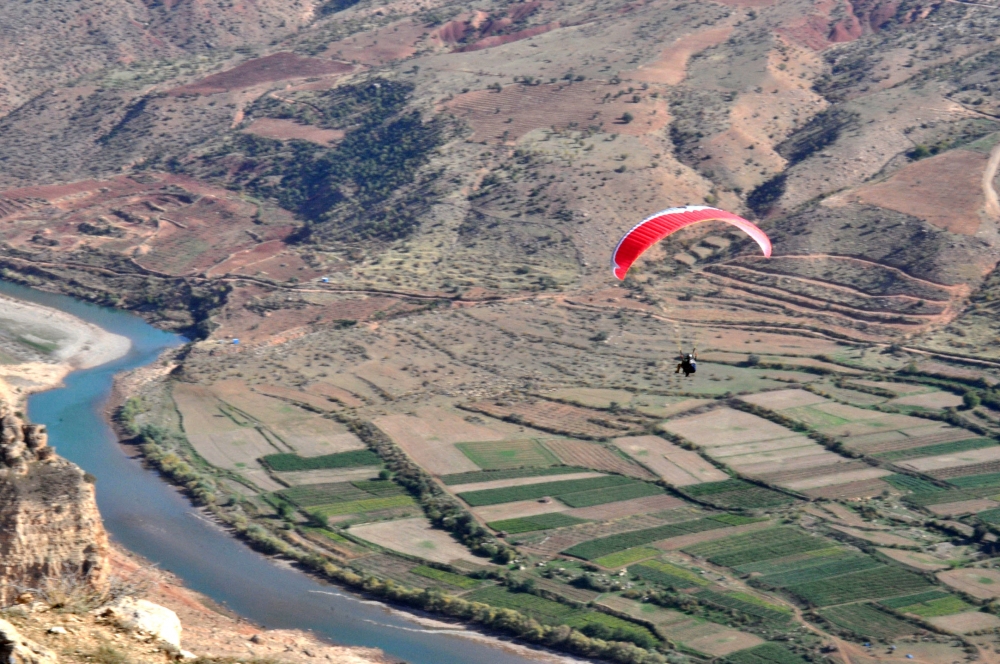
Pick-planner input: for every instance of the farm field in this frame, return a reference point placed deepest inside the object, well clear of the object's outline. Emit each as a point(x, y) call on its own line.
point(598, 457)
point(415, 537)
point(674, 465)
point(966, 623)
point(981, 583)
point(557, 417)
point(696, 634)
point(575, 493)
point(737, 494)
point(429, 438)
point(493, 455)
point(531, 523)
point(223, 440)
point(759, 448)
point(308, 433)
point(521, 481)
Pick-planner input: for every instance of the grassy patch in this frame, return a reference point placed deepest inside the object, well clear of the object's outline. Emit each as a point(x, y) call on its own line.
point(747, 604)
point(667, 575)
point(309, 495)
point(508, 474)
point(494, 455)
point(604, 546)
point(531, 523)
point(868, 622)
point(765, 653)
point(910, 483)
point(989, 480)
point(628, 556)
point(548, 612)
point(536, 491)
point(293, 462)
point(449, 578)
point(757, 546)
point(928, 604)
point(876, 583)
point(737, 494)
point(934, 450)
point(822, 570)
point(360, 506)
point(611, 495)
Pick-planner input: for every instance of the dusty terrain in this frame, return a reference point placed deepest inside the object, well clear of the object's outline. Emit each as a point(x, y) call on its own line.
point(403, 214)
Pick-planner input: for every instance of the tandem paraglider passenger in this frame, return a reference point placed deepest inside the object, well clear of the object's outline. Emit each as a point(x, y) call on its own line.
point(688, 363)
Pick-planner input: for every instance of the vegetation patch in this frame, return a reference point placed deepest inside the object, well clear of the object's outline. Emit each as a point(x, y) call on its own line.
point(934, 450)
point(667, 575)
point(628, 556)
point(767, 653)
point(449, 578)
point(877, 583)
point(493, 455)
point(549, 612)
point(757, 546)
point(598, 548)
point(310, 495)
point(821, 569)
point(477, 476)
point(360, 506)
point(930, 604)
point(747, 604)
point(536, 491)
point(292, 462)
point(737, 494)
point(528, 524)
point(868, 622)
point(611, 495)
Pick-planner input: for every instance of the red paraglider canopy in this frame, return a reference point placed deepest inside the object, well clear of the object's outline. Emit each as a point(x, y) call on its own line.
point(653, 229)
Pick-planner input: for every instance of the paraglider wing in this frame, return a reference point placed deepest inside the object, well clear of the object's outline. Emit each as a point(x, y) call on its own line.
point(653, 229)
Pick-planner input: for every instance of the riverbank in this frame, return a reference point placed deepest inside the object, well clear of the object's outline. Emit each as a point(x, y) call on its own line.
point(40, 345)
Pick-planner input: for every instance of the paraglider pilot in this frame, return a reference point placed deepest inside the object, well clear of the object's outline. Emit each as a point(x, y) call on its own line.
point(688, 363)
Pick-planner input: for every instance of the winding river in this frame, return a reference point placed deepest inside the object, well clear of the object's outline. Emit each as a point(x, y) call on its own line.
point(153, 519)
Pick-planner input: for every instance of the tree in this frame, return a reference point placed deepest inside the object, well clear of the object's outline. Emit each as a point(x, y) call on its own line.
point(971, 400)
point(627, 117)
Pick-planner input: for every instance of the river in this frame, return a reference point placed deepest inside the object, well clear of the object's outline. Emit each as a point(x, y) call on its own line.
point(151, 518)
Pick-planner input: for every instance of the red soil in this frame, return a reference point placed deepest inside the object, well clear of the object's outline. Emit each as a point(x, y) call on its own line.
point(277, 67)
point(944, 190)
point(286, 130)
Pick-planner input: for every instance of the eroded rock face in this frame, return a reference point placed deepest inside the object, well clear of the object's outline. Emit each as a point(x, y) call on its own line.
point(50, 529)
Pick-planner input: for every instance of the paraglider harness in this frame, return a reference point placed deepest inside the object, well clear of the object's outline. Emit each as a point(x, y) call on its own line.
point(688, 364)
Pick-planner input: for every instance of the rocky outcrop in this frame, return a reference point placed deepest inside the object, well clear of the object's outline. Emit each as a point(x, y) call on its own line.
point(51, 533)
point(144, 617)
point(15, 649)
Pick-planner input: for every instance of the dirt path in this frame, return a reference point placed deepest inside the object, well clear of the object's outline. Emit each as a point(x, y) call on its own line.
point(992, 206)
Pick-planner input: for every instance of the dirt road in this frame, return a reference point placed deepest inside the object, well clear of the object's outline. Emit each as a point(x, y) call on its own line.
point(992, 206)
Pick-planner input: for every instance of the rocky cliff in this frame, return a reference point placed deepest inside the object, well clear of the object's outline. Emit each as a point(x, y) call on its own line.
point(51, 534)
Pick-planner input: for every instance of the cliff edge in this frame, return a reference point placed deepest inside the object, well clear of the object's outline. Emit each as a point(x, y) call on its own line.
point(51, 532)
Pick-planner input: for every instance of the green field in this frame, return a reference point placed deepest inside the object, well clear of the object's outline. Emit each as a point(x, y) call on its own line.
point(876, 583)
point(611, 495)
point(814, 417)
point(359, 506)
point(536, 491)
point(822, 570)
point(548, 612)
point(910, 483)
point(457, 580)
point(928, 604)
point(795, 562)
point(603, 546)
point(528, 524)
point(868, 622)
point(757, 546)
point(292, 462)
point(310, 495)
point(627, 557)
point(737, 494)
point(934, 450)
point(498, 455)
point(667, 575)
point(746, 603)
point(765, 653)
point(990, 516)
point(990, 480)
point(507, 474)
